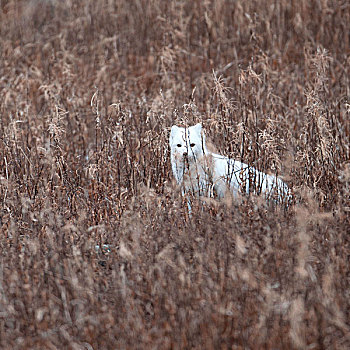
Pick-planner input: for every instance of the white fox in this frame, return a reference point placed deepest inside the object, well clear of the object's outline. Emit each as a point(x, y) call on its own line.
point(204, 173)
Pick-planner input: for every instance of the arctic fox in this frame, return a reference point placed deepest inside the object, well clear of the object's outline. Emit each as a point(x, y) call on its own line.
point(204, 173)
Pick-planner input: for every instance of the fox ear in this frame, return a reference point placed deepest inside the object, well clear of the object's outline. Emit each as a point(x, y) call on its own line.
point(198, 128)
point(174, 130)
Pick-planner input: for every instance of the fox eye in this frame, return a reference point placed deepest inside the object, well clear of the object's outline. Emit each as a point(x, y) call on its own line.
point(192, 144)
point(178, 145)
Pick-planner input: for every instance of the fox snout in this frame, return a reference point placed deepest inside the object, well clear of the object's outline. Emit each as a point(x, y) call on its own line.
point(181, 156)
point(182, 153)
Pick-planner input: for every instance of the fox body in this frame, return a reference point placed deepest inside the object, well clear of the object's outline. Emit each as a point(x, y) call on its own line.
point(204, 173)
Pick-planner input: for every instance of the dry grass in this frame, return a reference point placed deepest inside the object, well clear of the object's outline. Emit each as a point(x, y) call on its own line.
point(88, 92)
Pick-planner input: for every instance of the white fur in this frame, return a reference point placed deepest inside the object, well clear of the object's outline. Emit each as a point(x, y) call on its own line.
point(205, 173)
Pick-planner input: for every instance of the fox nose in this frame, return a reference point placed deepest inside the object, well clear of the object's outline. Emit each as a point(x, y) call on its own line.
point(185, 154)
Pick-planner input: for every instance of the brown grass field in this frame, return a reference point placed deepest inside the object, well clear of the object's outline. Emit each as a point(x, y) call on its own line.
point(88, 93)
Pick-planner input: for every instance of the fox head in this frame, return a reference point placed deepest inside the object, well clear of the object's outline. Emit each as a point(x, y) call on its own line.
point(187, 143)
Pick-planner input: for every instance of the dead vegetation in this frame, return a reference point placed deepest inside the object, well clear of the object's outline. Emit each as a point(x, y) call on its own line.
point(88, 92)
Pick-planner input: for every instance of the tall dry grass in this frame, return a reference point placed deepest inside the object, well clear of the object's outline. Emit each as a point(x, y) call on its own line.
point(88, 92)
